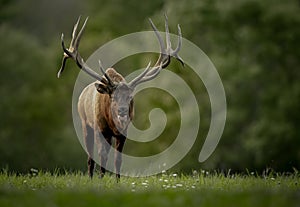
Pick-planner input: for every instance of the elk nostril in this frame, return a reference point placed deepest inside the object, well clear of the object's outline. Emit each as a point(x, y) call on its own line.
point(123, 111)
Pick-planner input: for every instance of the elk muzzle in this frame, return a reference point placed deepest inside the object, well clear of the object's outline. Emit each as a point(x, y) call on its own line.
point(123, 116)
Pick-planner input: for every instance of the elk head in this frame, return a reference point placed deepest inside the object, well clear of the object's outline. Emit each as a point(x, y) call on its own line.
point(121, 92)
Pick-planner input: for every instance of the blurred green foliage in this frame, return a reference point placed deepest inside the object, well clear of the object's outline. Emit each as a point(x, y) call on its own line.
point(253, 44)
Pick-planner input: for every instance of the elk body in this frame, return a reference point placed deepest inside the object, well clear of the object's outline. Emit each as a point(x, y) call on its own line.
point(106, 106)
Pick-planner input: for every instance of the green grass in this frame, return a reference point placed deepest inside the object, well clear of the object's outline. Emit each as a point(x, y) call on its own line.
point(199, 189)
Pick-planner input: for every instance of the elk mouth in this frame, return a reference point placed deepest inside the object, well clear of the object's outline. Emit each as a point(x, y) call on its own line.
point(123, 118)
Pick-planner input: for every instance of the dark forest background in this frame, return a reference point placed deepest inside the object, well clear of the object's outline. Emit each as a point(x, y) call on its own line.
point(254, 44)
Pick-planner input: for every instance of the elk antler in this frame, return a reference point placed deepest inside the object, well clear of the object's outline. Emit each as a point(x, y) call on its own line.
point(163, 61)
point(72, 52)
point(165, 55)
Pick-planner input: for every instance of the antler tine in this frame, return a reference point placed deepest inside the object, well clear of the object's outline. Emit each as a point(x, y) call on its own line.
point(146, 75)
point(63, 62)
point(107, 78)
point(66, 55)
point(168, 42)
point(152, 74)
point(163, 50)
point(75, 31)
point(136, 80)
point(77, 41)
point(161, 42)
point(101, 67)
point(174, 53)
point(179, 40)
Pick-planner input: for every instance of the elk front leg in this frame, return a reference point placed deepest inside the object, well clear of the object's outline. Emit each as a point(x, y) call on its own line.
point(120, 141)
point(88, 134)
point(104, 145)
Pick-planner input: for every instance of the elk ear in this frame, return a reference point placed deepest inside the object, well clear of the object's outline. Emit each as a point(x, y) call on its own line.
point(101, 88)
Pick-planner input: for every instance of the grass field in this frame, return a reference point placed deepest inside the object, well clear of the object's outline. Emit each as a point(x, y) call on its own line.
point(199, 189)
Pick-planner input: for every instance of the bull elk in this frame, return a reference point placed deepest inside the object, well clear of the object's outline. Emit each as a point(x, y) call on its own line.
point(106, 106)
